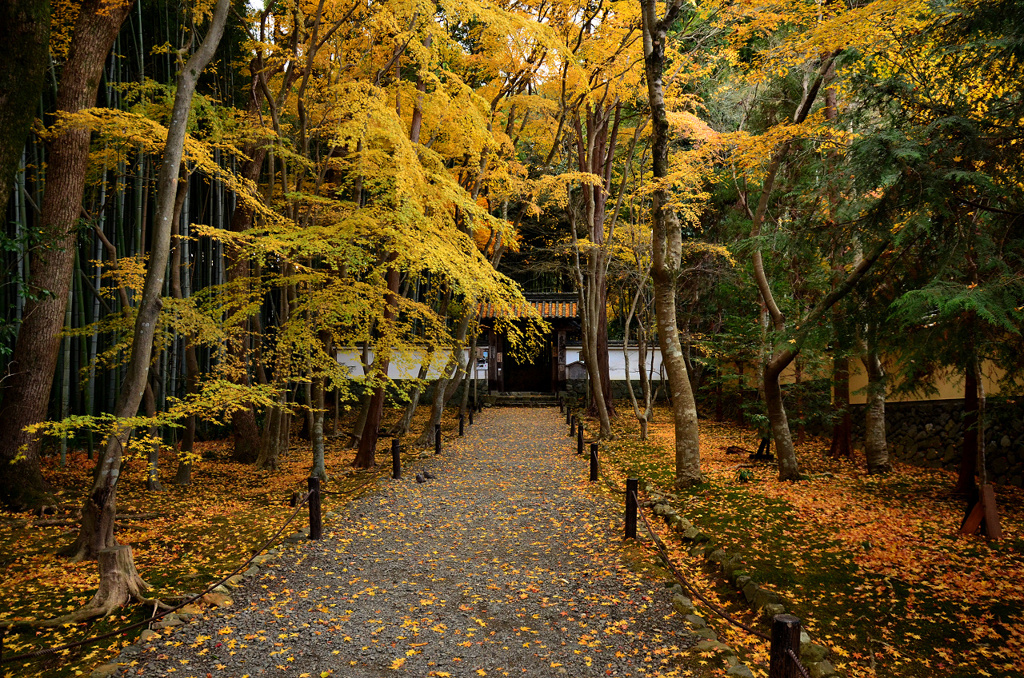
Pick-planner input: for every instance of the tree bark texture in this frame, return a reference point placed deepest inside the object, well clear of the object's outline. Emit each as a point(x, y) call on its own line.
point(666, 243)
point(789, 468)
point(366, 455)
point(27, 390)
point(183, 475)
point(876, 450)
point(23, 61)
point(319, 468)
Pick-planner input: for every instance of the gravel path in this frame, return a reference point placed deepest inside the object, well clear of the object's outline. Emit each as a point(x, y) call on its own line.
point(509, 563)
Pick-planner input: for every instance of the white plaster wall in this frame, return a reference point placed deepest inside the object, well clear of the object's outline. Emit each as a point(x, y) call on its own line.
point(407, 364)
point(617, 362)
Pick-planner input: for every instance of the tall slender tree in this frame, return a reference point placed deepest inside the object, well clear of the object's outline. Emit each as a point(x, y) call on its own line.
point(666, 244)
point(119, 580)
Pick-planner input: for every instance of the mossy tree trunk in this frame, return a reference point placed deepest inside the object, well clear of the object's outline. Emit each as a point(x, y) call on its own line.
point(34, 360)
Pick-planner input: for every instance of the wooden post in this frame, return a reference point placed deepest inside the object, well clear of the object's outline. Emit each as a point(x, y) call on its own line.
point(593, 462)
point(785, 637)
point(315, 526)
point(568, 415)
point(471, 416)
point(632, 486)
point(437, 439)
point(572, 425)
point(462, 425)
point(579, 438)
point(396, 460)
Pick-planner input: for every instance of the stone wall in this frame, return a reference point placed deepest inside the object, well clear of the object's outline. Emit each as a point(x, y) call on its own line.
point(931, 434)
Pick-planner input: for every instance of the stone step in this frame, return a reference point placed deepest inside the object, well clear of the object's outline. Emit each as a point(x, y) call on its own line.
point(521, 400)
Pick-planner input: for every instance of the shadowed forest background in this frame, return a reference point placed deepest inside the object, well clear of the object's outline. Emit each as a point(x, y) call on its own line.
point(806, 210)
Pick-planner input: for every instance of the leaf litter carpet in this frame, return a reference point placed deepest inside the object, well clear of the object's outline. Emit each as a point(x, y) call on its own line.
point(509, 563)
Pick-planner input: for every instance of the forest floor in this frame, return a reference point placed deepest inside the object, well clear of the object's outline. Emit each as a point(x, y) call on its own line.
point(873, 565)
point(509, 563)
point(187, 538)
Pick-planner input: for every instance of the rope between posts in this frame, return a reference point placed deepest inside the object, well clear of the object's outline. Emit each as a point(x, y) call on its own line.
point(131, 627)
point(687, 585)
point(796, 660)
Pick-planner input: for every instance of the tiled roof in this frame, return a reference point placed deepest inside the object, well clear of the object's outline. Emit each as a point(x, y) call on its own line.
point(547, 309)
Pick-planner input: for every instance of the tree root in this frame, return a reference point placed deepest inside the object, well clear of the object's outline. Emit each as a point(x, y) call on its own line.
point(120, 584)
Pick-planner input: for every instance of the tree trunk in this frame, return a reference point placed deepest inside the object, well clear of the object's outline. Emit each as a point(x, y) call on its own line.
point(366, 455)
point(842, 430)
point(317, 434)
point(246, 436)
point(441, 394)
point(120, 584)
point(97, 531)
point(183, 475)
point(153, 465)
point(789, 469)
point(270, 445)
point(360, 423)
point(875, 449)
point(965, 482)
point(27, 391)
point(467, 375)
point(22, 78)
point(666, 244)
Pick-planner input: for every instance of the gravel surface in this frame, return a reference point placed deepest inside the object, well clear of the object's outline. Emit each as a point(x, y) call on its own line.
point(508, 563)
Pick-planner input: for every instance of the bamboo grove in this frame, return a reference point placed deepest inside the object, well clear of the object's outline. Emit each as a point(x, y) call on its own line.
point(760, 183)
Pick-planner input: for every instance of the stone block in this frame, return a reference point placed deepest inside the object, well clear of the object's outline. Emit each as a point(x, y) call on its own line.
point(739, 670)
point(749, 590)
point(764, 597)
point(218, 598)
point(696, 621)
point(812, 653)
point(683, 605)
point(822, 669)
point(731, 565)
point(104, 671)
point(168, 622)
point(705, 633)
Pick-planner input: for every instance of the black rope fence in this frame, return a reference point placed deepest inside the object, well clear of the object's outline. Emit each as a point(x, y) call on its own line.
point(796, 662)
point(685, 583)
point(786, 628)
